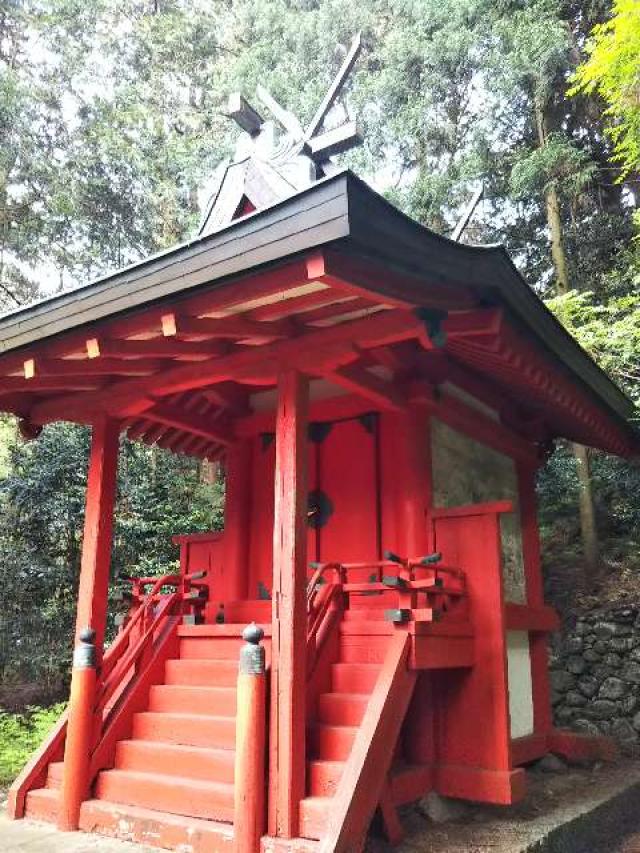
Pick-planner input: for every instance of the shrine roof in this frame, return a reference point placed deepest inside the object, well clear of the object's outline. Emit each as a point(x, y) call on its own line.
point(411, 265)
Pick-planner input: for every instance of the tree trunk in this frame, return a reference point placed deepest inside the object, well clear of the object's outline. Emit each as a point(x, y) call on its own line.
point(588, 525)
point(558, 253)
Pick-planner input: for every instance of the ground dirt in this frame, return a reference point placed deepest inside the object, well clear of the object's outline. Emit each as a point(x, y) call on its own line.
point(580, 810)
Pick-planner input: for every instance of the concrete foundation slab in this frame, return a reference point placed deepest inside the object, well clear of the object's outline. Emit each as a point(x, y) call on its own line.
point(30, 836)
point(576, 811)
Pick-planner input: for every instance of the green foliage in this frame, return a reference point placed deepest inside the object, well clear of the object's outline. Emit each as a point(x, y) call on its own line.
point(557, 163)
point(613, 71)
point(610, 332)
point(20, 735)
point(6, 434)
point(41, 525)
point(112, 121)
point(116, 120)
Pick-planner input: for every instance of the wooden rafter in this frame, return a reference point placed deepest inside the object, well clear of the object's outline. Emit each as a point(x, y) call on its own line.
point(468, 324)
point(132, 397)
point(388, 357)
point(191, 422)
point(16, 384)
point(362, 277)
point(83, 368)
point(233, 328)
point(300, 304)
point(258, 288)
point(228, 397)
point(361, 381)
point(161, 348)
point(266, 285)
point(334, 311)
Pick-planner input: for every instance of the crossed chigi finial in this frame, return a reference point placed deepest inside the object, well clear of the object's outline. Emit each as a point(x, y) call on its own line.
point(268, 166)
point(315, 144)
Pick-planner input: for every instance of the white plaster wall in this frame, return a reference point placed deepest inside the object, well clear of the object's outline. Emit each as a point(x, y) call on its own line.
point(520, 687)
point(467, 472)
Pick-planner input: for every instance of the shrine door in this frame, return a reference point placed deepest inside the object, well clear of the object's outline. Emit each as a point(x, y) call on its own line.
point(343, 499)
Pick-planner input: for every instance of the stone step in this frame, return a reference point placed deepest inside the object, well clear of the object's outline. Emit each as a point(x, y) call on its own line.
point(163, 793)
point(155, 828)
point(354, 678)
point(193, 699)
point(330, 743)
point(188, 729)
point(193, 762)
point(202, 673)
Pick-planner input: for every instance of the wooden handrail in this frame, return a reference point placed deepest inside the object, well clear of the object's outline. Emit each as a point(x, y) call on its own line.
point(365, 770)
point(122, 656)
point(127, 654)
point(115, 650)
point(318, 575)
point(442, 588)
point(33, 774)
point(133, 653)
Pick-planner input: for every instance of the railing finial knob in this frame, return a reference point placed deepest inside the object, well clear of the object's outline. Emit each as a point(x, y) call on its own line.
point(252, 634)
point(252, 661)
point(84, 654)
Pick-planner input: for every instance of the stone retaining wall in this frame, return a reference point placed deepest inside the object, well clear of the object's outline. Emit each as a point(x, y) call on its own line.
point(595, 675)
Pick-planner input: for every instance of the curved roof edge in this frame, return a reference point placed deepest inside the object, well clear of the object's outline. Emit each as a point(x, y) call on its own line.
point(341, 211)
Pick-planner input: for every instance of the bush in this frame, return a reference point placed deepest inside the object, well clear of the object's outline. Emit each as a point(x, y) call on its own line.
point(20, 735)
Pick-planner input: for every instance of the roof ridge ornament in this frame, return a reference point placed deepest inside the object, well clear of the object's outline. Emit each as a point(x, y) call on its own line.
point(277, 157)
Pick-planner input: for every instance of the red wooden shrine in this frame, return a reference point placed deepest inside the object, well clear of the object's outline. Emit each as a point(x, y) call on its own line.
point(381, 398)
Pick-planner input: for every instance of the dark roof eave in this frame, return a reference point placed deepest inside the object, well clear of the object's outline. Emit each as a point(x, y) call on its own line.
point(488, 270)
point(343, 211)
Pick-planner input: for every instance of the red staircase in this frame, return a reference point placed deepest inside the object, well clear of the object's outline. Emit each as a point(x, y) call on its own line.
point(173, 777)
point(352, 707)
point(163, 767)
point(331, 736)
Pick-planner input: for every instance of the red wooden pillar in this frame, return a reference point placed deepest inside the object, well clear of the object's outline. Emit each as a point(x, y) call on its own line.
point(235, 543)
point(412, 449)
point(77, 753)
point(288, 683)
point(98, 531)
point(91, 616)
point(409, 450)
point(249, 788)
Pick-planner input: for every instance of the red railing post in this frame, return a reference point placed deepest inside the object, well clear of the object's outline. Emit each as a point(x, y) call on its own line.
point(249, 791)
point(75, 776)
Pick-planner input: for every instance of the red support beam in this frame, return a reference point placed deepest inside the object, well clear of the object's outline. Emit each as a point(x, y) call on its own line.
point(10, 385)
point(260, 286)
point(249, 775)
point(161, 348)
point(301, 305)
point(407, 480)
point(228, 396)
point(287, 745)
point(235, 327)
point(383, 394)
point(124, 398)
point(98, 530)
point(199, 425)
point(83, 368)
